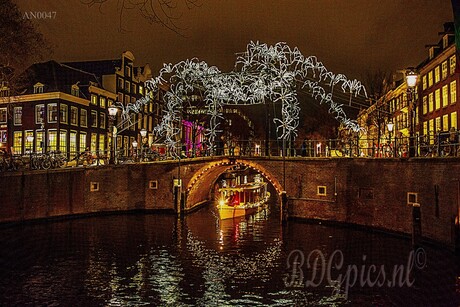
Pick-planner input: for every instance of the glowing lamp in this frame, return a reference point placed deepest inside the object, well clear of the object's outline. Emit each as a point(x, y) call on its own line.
point(411, 78)
point(113, 111)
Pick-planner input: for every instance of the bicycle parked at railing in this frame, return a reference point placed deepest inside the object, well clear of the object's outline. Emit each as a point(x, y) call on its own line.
point(10, 162)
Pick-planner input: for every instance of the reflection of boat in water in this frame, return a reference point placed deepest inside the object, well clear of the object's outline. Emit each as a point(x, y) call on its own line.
point(240, 199)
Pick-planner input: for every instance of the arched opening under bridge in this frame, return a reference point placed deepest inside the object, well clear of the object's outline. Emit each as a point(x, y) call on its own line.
point(200, 187)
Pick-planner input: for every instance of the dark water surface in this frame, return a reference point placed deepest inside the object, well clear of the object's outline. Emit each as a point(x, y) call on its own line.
point(158, 260)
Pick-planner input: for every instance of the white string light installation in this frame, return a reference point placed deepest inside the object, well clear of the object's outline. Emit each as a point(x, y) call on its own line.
point(261, 73)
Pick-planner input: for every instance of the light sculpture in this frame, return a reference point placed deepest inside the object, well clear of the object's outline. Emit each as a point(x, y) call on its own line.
point(261, 73)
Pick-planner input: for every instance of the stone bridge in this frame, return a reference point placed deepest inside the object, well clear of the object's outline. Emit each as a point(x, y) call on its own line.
point(376, 193)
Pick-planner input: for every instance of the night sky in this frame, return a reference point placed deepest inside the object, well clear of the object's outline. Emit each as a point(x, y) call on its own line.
point(350, 37)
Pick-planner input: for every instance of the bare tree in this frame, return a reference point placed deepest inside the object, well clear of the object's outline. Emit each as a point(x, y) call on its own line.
point(163, 12)
point(21, 44)
point(377, 83)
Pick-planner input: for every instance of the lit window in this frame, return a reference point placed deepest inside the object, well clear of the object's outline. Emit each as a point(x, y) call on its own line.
point(94, 100)
point(102, 143)
point(437, 98)
point(431, 130)
point(93, 142)
point(453, 63)
point(52, 113)
point(430, 102)
point(438, 124)
point(141, 90)
point(73, 142)
point(102, 102)
point(430, 78)
point(39, 141)
point(17, 142)
point(63, 109)
point(445, 122)
point(425, 128)
point(52, 140)
point(425, 105)
point(3, 115)
point(453, 120)
point(28, 145)
point(444, 70)
point(82, 141)
point(437, 76)
point(93, 118)
point(445, 96)
point(3, 136)
point(63, 141)
point(453, 92)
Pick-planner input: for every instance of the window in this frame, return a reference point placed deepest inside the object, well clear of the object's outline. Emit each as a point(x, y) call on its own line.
point(133, 88)
point(102, 120)
point(430, 102)
point(438, 124)
point(445, 122)
point(63, 109)
point(28, 145)
point(82, 141)
point(110, 102)
point(4, 89)
point(83, 118)
point(425, 105)
point(3, 137)
point(93, 142)
point(127, 86)
point(444, 70)
point(38, 88)
point(445, 96)
point(3, 115)
point(52, 140)
point(17, 116)
point(445, 41)
point(453, 63)
point(93, 118)
point(102, 102)
point(39, 141)
point(431, 130)
point(437, 98)
point(39, 114)
point(437, 75)
point(141, 90)
point(120, 84)
point(73, 142)
point(127, 71)
point(63, 141)
point(75, 90)
point(120, 97)
point(52, 113)
point(73, 116)
point(453, 92)
point(127, 100)
point(453, 120)
point(101, 143)
point(94, 99)
point(430, 78)
point(17, 142)
point(321, 190)
point(425, 128)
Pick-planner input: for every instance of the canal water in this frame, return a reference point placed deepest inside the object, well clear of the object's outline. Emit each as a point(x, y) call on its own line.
point(158, 260)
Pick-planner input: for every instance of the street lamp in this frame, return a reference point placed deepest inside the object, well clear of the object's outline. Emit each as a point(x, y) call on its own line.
point(112, 116)
point(390, 127)
point(143, 133)
point(411, 82)
point(135, 149)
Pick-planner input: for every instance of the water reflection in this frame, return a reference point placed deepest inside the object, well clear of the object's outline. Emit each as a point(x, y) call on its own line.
point(160, 260)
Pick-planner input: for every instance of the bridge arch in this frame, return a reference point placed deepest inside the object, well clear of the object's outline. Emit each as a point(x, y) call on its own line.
point(200, 185)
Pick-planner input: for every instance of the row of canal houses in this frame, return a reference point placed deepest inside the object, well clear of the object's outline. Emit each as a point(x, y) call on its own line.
point(64, 107)
point(421, 113)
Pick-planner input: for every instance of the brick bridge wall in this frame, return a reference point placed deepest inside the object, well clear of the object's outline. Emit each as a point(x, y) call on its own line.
point(367, 192)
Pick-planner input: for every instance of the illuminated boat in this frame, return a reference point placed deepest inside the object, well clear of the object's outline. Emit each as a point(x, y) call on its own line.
point(240, 199)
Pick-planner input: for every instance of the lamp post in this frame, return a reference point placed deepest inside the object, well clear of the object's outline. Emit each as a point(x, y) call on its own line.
point(143, 133)
point(135, 149)
point(30, 140)
point(411, 82)
point(390, 127)
point(112, 116)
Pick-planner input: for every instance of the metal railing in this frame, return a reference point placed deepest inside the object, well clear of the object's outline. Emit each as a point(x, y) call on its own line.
point(443, 144)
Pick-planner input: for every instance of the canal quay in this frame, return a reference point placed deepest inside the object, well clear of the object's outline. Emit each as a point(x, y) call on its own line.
point(229, 153)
